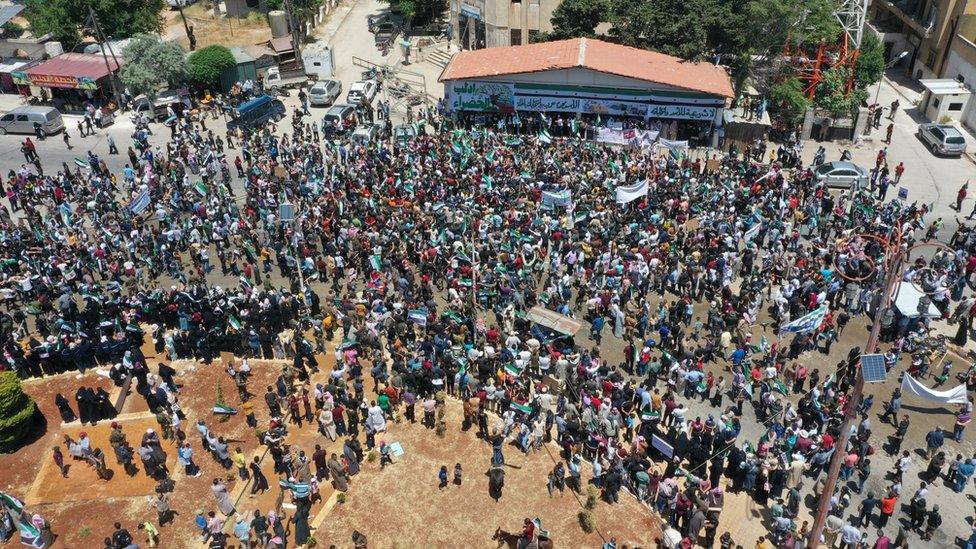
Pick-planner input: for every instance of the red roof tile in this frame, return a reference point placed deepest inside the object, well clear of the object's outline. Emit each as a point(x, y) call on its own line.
point(75, 65)
point(595, 55)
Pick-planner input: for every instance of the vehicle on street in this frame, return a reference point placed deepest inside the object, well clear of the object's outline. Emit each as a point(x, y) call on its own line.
point(256, 112)
point(324, 93)
point(384, 36)
point(841, 175)
point(373, 22)
point(339, 120)
point(942, 139)
point(22, 120)
point(177, 3)
point(404, 132)
point(367, 133)
point(177, 100)
point(362, 92)
point(275, 78)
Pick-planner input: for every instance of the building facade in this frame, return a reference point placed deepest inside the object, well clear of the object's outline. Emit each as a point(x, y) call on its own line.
point(492, 23)
point(591, 80)
point(926, 29)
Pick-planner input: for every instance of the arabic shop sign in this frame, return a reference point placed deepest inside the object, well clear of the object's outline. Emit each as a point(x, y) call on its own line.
point(682, 112)
point(60, 81)
point(482, 96)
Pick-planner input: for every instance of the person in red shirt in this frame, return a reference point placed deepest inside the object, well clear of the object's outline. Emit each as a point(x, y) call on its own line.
point(899, 169)
point(528, 533)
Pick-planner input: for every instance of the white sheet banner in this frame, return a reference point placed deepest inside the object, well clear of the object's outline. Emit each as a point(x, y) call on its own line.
point(668, 144)
point(633, 137)
point(630, 193)
point(956, 395)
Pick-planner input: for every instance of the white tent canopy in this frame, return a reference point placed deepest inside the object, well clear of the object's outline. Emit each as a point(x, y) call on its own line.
point(906, 301)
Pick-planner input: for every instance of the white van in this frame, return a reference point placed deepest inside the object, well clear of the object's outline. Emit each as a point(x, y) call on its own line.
point(22, 119)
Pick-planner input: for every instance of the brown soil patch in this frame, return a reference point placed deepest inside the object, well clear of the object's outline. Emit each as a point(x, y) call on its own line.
point(401, 506)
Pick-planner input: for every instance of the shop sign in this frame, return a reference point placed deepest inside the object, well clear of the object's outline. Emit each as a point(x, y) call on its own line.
point(471, 11)
point(547, 104)
point(681, 112)
point(54, 81)
point(20, 78)
point(482, 96)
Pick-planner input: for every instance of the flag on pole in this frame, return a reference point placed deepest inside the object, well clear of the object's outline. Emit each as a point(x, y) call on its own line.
point(418, 316)
point(200, 188)
point(510, 368)
point(806, 323)
point(545, 136)
point(82, 163)
point(752, 232)
point(375, 262)
point(574, 125)
point(234, 322)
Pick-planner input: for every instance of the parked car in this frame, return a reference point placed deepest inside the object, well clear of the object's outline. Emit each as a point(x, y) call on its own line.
point(362, 92)
point(942, 139)
point(22, 120)
point(405, 132)
point(256, 112)
point(156, 108)
point(374, 21)
point(324, 93)
point(365, 134)
point(841, 175)
point(339, 120)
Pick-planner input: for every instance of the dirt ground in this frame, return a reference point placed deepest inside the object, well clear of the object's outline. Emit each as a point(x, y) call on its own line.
point(401, 505)
point(226, 31)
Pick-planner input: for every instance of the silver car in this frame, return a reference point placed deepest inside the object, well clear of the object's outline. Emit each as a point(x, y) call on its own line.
point(324, 93)
point(841, 175)
point(942, 139)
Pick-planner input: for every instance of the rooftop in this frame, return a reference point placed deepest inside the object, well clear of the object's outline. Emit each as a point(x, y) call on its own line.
point(594, 55)
point(944, 86)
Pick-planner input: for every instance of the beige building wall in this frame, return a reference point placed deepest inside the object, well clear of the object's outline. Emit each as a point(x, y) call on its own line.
point(924, 28)
point(505, 22)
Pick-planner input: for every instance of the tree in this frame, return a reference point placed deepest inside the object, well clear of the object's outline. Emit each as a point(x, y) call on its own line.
point(207, 64)
point(578, 18)
point(788, 100)
point(16, 412)
point(871, 63)
point(150, 62)
point(420, 12)
point(832, 95)
point(118, 18)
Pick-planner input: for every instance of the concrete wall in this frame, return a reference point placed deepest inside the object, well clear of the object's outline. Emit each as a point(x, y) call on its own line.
point(961, 65)
point(501, 16)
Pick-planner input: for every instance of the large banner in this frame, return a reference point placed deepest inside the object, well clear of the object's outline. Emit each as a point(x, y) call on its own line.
point(911, 386)
point(559, 198)
point(482, 96)
point(636, 138)
point(630, 193)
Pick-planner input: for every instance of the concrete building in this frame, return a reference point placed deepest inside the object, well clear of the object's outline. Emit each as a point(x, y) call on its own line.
point(961, 66)
point(492, 23)
point(599, 82)
point(925, 29)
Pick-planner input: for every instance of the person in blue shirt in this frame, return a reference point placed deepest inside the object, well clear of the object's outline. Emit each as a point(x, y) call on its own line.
point(596, 328)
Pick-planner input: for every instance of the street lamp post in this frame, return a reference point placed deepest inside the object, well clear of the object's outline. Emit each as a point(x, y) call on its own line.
point(887, 66)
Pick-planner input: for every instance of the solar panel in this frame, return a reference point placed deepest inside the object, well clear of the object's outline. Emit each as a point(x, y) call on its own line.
point(873, 368)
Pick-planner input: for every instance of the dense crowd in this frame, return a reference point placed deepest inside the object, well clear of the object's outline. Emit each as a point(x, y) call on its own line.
point(426, 254)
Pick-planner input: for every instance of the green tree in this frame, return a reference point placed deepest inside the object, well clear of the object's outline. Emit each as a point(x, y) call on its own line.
point(119, 19)
point(207, 64)
point(788, 100)
point(420, 12)
point(151, 62)
point(16, 412)
point(832, 95)
point(578, 18)
point(871, 63)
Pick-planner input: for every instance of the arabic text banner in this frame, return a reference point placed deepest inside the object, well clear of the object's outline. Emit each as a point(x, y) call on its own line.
point(626, 137)
point(911, 386)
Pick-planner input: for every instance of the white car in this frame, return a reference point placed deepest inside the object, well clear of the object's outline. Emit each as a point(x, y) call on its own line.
point(362, 92)
point(324, 93)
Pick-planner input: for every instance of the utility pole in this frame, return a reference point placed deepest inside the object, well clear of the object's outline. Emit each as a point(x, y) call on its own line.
point(189, 30)
point(893, 266)
point(296, 41)
point(93, 19)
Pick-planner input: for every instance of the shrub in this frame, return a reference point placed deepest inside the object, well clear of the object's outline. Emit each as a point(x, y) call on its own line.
point(207, 64)
point(586, 521)
point(371, 457)
point(341, 498)
point(16, 412)
point(592, 496)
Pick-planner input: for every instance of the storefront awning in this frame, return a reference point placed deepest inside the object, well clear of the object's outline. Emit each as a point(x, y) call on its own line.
point(554, 321)
point(71, 70)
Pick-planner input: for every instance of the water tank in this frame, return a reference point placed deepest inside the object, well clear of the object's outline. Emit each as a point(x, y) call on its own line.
point(53, 49)
point(278, 20)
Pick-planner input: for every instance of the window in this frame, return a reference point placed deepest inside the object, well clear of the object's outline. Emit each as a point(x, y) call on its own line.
point(532, 35)
point(21, 118)
point(955, 106)
point(516, 38)
point(935, 102)
point(7, 118)
point(930, 60)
